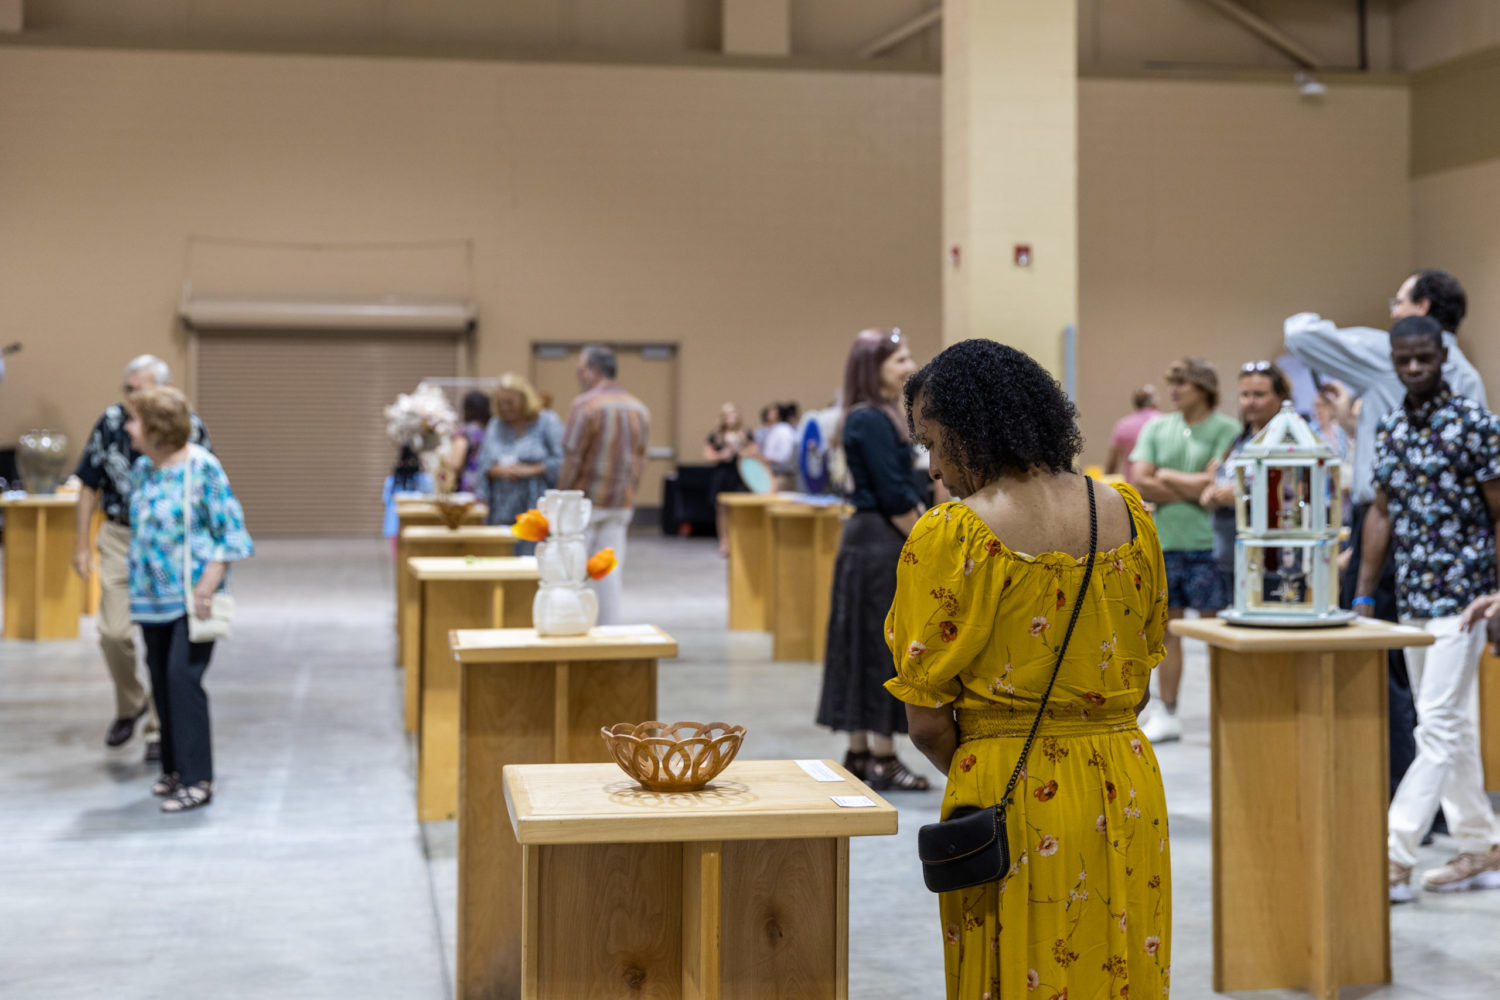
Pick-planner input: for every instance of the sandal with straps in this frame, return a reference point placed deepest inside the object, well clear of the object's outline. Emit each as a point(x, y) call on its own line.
point(167, 784)
point(189, 797)
point(857, 763)
point(888, 774)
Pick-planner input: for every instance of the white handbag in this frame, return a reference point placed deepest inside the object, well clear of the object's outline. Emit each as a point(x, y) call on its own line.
point(221, 605)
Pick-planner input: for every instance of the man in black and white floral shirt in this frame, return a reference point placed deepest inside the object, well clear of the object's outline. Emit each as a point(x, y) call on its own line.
point(104, 470)
point(1437, 482)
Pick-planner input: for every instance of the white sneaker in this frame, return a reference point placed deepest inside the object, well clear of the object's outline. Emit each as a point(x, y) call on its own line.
point(1161, 725)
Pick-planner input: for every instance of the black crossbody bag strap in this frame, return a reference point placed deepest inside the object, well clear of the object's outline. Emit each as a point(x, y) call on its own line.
point(1062, 649)
point(970, 847)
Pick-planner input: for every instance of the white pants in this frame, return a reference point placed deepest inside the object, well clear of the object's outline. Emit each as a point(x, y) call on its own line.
point(606, 530)
point(1447, 769)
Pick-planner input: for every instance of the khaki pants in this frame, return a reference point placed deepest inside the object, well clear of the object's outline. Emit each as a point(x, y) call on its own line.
point(116, 630)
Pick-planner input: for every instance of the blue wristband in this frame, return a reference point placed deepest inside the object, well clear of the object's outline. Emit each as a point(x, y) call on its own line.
point(1364, 600)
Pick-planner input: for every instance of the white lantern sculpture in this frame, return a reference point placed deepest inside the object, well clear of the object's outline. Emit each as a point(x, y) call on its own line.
point(1287, 511)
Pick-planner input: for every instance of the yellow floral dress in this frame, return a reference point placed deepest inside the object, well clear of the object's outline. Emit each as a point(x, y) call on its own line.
point(1086, 909)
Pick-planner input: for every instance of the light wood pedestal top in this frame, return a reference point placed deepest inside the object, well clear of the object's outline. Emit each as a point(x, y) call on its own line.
point(43, 596)
point(453, 593)
point(530, 699)
point(736, 891)
point(1300, 776)
point(433, 540)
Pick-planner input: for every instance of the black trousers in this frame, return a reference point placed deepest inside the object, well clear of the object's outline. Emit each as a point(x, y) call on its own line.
point(1403, 710)
point(177, 667)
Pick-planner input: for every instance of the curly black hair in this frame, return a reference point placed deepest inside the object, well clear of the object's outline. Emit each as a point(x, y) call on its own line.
point(1000, 412)
point(1445, 297)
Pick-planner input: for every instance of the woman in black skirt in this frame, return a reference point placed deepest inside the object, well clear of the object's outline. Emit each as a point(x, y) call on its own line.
point(723, 448)
point(877, 448)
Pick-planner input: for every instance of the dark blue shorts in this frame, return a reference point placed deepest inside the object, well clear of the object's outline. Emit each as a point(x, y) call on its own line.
point(1193, 581)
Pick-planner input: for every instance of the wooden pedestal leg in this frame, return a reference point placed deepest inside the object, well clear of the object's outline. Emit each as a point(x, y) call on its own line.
point(792, 588)
point(445, 606)
point(409, 613)
point(749, 543)
point(702, 913)
point(1299, 779)
point(524, 714)
point(507, 713)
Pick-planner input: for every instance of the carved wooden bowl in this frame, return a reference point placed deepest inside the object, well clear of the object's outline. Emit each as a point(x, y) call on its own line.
point(673, 756)
point(453, 509)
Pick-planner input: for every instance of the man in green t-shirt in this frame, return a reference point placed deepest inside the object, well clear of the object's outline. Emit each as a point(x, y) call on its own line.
point(1171, 466)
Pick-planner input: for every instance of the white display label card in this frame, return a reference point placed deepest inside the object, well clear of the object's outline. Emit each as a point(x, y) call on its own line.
point(818, 770)
point(624, 630)
point(852, 801)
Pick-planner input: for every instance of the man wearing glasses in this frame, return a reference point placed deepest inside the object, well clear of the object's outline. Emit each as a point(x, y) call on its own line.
point(1360, 357)
point(104, 470)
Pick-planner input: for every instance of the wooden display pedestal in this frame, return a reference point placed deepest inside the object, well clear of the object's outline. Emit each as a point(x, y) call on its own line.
point(804, 546)
point(454, 594)
point(43, 596)
point(432, 542)
point(739, 892)
point(1300, 777)
point(528, 699)
point(750, 558)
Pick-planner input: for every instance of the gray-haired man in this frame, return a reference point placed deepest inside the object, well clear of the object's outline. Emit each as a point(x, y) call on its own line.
point(104, 470)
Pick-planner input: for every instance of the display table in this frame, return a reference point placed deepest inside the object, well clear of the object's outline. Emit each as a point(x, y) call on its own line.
point(436, 541)
point(92, 588)
point(740, 890)
point(454, 593)
point(43, 596)
point(1489, 719)
point(528, 700)
point(1300, 779)
point(748, 517)
point(417, 510)
point(804, 546)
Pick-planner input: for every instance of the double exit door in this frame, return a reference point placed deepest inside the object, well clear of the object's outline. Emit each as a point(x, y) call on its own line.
point(646, 371)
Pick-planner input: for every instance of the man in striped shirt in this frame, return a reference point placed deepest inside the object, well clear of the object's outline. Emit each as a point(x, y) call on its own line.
point(604, 452)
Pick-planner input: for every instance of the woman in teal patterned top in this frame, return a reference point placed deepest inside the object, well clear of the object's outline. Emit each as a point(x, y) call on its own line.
point(160, 599)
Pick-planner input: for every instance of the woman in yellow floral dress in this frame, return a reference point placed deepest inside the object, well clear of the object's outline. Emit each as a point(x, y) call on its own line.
point(1084, 911)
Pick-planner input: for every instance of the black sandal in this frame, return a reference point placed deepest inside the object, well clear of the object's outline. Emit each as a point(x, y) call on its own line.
point(189, 797)
point(887, 774)
point(167, 784)
point(857, 763)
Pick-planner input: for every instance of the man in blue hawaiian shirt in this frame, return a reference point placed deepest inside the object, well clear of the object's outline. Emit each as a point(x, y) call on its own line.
point(1437, 480)
point(104, 470)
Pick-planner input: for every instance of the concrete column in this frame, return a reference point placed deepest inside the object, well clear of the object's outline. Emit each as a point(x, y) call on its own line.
point(1010, 173)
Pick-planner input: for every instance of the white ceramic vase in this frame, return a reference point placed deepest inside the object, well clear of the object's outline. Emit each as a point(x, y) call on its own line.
point(564, 603)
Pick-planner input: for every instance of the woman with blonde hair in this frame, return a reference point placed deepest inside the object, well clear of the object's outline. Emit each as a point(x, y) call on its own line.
point(520, 454)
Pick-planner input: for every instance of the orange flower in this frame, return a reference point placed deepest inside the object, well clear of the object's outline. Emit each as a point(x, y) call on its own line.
point(1046, 791)
point(949, 631)
point(1109, 787)
point(967, 763)
point(532, 526)
point(1094, 697)
point(992, 547)
point(601, 563)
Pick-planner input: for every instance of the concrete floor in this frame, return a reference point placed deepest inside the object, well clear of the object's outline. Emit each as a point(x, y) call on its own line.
point(309, 877)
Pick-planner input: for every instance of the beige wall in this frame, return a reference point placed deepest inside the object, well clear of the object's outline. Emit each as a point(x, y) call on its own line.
point(1455, 229)
point(1211, 211)
point(1428, 32)
point(757, 218)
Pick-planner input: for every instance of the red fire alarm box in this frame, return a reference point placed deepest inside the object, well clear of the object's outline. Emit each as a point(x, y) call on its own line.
point(1023, 254)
